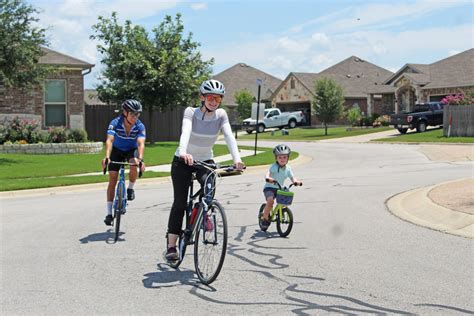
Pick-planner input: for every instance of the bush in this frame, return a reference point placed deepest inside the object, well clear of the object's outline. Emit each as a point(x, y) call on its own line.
point(77, 136)
point(367, 121)
point(16, 129)
point(57, 135)
point(459, 99)
point(383, 120)
point(354, 115)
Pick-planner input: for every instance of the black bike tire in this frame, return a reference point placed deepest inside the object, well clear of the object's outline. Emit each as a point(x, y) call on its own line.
point(197, 242)
point(290, 223)
point(118, 211)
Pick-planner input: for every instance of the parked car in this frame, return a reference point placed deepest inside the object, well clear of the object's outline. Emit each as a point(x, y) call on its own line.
point(274, 118)
point(423, 115)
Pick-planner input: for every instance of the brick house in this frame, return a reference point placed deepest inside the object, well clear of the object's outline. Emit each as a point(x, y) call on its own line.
point(242, 76)
point(418, 83)
point(60, 102)
point(357, 78)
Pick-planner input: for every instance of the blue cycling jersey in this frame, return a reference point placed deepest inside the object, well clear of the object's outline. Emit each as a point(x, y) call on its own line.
point(122, 141)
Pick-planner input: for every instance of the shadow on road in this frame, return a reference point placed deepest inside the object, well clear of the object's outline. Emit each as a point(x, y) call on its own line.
point(169, 277)
point(107, 236)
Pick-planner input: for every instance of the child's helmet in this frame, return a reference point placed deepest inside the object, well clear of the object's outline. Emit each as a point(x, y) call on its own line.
point(281, 149)
point(212, 86)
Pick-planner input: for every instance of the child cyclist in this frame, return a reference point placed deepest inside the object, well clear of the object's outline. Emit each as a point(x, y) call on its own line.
point(278, 172)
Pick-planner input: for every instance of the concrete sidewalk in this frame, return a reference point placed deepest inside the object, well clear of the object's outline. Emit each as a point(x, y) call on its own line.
point(447, 207)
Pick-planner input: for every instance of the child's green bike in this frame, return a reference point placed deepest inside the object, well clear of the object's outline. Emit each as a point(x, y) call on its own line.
point(281, 213)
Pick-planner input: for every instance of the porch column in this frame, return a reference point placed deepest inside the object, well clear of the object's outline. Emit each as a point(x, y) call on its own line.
point(369, 104)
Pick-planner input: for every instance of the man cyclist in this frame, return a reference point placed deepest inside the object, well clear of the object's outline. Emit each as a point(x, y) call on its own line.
point(125, 142)
point(200, 129)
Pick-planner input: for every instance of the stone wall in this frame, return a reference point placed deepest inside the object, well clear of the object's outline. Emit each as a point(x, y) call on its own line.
point(62, 148)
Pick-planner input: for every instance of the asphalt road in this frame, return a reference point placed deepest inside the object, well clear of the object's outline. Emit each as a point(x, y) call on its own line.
point(346, 254)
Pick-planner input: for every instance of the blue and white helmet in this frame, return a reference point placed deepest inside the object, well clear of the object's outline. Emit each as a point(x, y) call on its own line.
point(212, 86)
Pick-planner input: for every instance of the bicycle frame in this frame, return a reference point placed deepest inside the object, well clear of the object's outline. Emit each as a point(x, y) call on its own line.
point(119, 187)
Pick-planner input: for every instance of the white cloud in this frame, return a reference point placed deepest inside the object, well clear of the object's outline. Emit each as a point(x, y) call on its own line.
point(199, 6)
point(293, 45)
point(320, 38)
point(321, 60)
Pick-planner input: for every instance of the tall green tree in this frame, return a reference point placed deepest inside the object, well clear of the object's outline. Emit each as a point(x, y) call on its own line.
point(20, 43)
point(162, 70)
point(328, 102)
point(244, 99)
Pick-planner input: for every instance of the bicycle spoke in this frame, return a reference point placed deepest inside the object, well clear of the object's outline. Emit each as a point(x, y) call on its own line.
point(211, 244)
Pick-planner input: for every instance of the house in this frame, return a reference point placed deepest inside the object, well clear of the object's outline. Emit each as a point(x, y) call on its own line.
point(418, 83)
point(59, 102)
point(356, 77)
point(242, 76)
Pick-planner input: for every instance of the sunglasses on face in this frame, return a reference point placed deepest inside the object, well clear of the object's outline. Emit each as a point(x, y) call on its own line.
point(212, 97)
point(133, 114)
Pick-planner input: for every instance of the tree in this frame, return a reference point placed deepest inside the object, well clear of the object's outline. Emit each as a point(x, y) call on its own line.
point(244, 99)
point(162, 71)
point(20, 45)
point(329, 100)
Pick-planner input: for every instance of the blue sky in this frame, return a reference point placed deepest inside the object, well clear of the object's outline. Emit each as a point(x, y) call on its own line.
point(279, 37)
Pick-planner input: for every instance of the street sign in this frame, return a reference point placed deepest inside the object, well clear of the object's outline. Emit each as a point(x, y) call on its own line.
point(260, 111)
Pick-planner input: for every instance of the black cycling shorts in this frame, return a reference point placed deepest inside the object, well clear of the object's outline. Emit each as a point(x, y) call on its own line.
point(122, 156)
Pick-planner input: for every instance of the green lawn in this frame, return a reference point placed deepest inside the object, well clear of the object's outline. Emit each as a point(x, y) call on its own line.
point(431, 136)
point(305, 134)
point(20, 171)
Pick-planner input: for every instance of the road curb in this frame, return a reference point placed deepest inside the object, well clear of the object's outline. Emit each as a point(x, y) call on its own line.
point(416, 207)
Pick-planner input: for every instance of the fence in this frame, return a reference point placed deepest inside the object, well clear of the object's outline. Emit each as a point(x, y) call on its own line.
point(462, 120)
point(166, 125)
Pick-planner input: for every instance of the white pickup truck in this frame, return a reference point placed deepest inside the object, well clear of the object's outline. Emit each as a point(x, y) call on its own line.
point(273, 118)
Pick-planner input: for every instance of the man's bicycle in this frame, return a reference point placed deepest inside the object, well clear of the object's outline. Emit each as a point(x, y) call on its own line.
point(281, 213)
point(120, 200)
point(205, 226)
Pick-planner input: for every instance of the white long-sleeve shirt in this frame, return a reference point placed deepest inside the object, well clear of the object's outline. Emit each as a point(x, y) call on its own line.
point(198, 136)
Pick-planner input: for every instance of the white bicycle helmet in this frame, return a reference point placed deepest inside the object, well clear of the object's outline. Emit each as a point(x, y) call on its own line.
point(281, 149)
point(212, 86)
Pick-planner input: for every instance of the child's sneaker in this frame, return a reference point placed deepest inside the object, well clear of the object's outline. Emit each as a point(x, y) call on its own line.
point(264, 224)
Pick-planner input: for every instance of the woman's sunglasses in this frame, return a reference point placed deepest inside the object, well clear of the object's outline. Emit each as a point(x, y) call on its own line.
point(211, 97)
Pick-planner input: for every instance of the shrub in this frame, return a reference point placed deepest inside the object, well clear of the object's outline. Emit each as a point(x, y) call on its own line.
point(383, 120)
point(354, 115)
point(458, 99)
point(57, 135)
point(17, 129)
point(77, 136)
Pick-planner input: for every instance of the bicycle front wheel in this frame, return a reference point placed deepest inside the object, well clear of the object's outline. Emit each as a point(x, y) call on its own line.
point(210, 243)
point(118, 210)
point(285, 222)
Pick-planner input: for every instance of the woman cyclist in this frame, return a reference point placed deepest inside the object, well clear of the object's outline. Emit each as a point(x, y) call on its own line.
point(125, 142)
point(199, 133)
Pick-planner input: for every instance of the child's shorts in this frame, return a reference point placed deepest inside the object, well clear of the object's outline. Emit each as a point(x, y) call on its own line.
point(270, 192)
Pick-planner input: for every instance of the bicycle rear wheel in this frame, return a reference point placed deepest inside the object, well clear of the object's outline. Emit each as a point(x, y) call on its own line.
point(210, 243)
point(285, 223)
point(118, 210)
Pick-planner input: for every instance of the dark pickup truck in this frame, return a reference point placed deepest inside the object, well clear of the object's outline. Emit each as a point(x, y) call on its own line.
point(426, 114)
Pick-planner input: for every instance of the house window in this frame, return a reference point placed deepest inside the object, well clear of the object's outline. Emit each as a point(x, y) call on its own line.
point(55, 103)
point(292, 83)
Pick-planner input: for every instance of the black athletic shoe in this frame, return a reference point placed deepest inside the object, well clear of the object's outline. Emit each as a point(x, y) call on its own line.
point(130, 194)
point(108, 220)
point(171, 254)
point(264, 224)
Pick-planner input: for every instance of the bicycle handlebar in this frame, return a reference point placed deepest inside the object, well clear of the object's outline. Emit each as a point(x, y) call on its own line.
point(279, 185)
point(215, 166)
point(108, 161)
